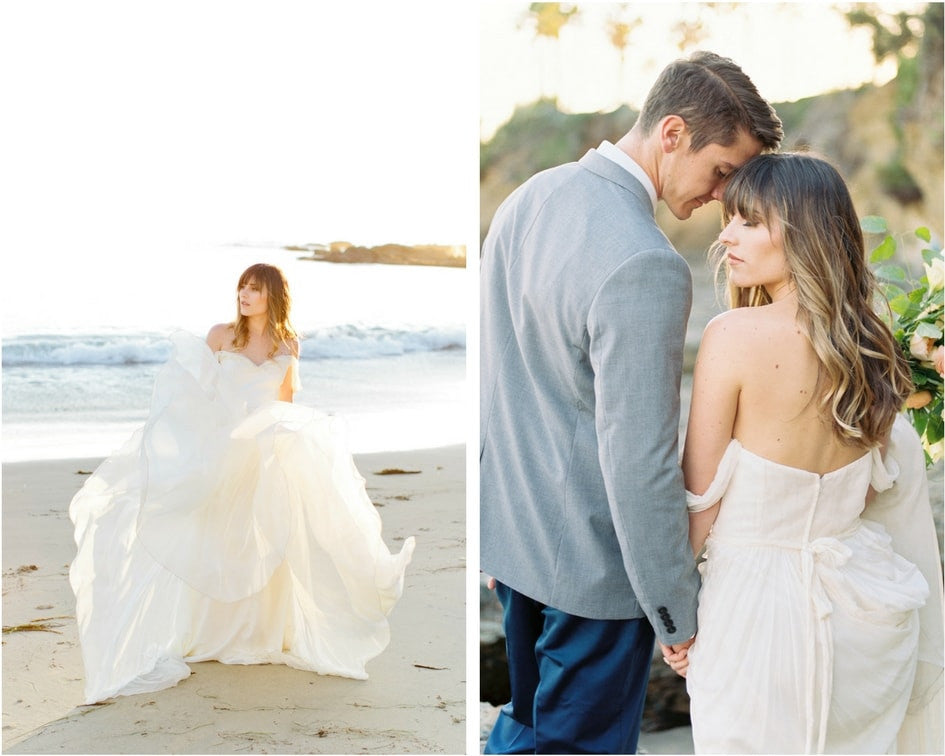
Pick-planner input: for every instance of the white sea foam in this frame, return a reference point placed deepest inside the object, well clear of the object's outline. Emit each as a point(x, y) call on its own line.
point(339, 341)
point(383, 346)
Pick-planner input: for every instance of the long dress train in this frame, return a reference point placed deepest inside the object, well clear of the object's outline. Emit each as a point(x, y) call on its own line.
point(232, 526)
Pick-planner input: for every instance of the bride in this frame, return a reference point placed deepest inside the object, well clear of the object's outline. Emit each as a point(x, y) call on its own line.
point(809, 492)
point(234, 525)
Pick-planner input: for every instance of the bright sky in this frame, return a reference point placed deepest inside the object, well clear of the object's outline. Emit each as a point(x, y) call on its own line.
point(139, 131)
point(790, 50)
point(275, 120)
point(138, 134)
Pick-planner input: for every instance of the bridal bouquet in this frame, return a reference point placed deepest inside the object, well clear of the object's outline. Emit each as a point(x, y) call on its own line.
point(917, 317)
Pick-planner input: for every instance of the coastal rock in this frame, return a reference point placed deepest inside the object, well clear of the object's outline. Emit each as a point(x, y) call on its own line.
point(667, 702)
point(449, 256)
point(493, 662)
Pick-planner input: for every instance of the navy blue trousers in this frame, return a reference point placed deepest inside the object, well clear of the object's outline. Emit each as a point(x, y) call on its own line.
point(578, 684)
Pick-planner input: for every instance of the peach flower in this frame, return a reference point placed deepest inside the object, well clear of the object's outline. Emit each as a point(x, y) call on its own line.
point(918, 399)
point(938, 359)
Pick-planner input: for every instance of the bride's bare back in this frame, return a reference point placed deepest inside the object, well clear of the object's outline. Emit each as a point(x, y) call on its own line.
point(777, 415)
point(756, 381)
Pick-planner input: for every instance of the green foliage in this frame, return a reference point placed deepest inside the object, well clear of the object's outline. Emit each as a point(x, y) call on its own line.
point(549, 18)
point(907, 80)
point(897, 182)
point(792, 114)
point(539, 136)
point(913, 39)
point(892, 33)
point(916, 319)
point(884, 251)
point(873, 224)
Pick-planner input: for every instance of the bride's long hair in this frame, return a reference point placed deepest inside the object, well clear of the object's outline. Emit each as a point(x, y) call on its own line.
point(273, 281)
point(863, 378)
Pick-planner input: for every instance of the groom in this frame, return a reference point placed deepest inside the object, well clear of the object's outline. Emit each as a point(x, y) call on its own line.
point(584, 304)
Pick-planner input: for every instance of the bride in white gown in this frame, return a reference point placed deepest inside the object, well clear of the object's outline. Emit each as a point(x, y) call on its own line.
point(234, 525)
point(813, 615)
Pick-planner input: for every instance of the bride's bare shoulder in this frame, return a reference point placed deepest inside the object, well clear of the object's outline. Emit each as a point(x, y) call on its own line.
point(220, 336)
point(740, 334)
point(729, 327)
point(750, 322)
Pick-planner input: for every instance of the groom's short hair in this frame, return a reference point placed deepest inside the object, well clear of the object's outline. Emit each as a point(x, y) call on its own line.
point(715, 98)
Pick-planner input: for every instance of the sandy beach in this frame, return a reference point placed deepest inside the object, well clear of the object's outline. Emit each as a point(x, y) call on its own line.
point(414, 701)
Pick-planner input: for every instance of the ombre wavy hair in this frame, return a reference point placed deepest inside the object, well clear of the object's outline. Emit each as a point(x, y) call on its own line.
point(273, 281)
point(863, 378)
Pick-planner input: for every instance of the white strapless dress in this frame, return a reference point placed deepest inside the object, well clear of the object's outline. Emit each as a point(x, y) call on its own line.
point(808, 617)
point(232, 526)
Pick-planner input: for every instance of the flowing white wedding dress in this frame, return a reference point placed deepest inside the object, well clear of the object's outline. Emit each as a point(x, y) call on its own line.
point(809, 616)
point(232, 526)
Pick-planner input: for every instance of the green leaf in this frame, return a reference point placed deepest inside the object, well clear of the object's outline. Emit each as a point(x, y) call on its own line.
point(925, 377)
point(891, 273)
point(924, 234)
point(891, 291)
point(920, 419)
point(873, 224)
point(884, 250)
point(929, 255)
point(900, 305)
point(935, 430)
point(917, 295)
point(928, 331)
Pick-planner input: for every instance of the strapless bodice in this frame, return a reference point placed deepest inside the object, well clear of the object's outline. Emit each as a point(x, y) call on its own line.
point(770, 502)
point(251, 384)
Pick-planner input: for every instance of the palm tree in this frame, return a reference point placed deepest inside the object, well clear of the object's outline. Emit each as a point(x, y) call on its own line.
point(548, 19)
point(619, 28)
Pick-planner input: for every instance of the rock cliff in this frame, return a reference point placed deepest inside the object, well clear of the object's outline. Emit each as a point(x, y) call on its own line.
point(450, 256)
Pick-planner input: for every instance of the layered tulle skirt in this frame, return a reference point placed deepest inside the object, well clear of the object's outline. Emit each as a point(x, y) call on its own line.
point(225, 532)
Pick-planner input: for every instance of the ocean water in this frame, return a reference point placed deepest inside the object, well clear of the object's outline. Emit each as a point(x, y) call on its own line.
point(383, 346)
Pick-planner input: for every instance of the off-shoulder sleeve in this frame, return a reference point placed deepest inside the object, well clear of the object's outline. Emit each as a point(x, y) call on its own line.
point(901, 506)
point(885, 471)
point(723, 474)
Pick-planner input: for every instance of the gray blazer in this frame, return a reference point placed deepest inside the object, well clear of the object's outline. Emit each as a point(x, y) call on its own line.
point(584, 304)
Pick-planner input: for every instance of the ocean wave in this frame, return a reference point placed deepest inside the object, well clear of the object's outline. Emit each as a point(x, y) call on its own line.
point(86, 349)
point(356, 342)
point(335, 342)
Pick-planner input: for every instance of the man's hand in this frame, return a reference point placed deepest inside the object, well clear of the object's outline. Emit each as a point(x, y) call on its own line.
point(677, 656)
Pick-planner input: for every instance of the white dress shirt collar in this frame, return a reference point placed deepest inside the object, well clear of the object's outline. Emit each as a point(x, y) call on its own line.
point(621, 158)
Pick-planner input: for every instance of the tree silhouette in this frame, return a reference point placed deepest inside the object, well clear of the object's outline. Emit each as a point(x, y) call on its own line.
point(547, 20)
point(619, 28)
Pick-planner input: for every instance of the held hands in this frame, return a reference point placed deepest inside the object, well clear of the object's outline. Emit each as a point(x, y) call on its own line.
point(677, 656)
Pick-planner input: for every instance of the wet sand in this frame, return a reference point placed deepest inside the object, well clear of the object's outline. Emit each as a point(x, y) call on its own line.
point(414, 701)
